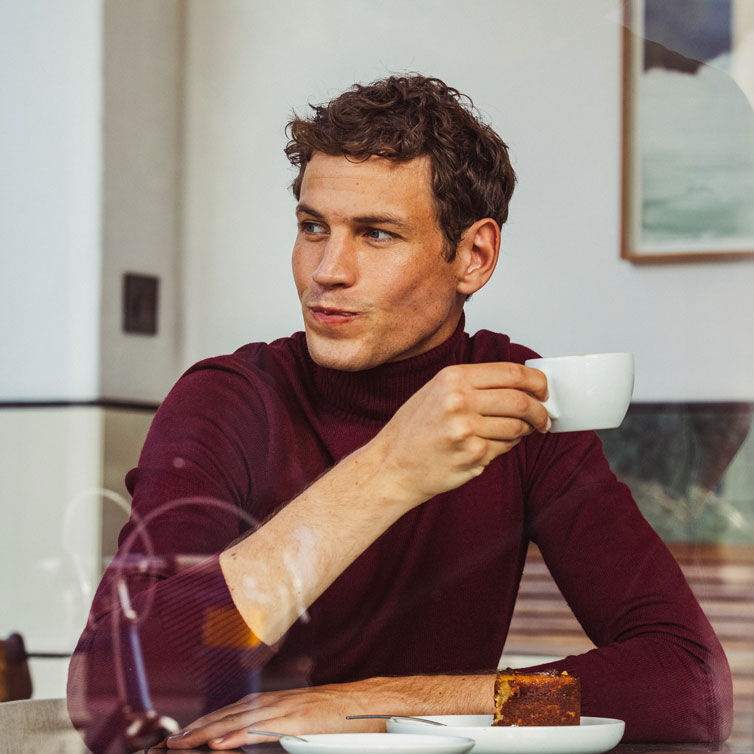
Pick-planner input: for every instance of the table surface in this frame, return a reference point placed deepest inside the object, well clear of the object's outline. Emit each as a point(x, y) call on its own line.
point(275, 748)
point(68, 742)
point(43, 727)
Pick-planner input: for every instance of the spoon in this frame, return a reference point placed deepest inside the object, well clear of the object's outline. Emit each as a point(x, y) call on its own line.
point(397, 717)
point(277, 735)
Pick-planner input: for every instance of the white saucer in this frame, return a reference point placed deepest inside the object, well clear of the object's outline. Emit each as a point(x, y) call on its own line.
point(394, 743)
point(593, 736)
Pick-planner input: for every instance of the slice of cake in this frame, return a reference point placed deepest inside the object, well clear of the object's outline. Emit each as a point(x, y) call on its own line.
point(545, 698)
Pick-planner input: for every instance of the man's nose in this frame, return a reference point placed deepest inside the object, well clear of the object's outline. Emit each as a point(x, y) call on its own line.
point(337, 266)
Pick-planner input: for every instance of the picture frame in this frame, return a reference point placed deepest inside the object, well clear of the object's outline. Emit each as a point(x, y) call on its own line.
point(687, 130)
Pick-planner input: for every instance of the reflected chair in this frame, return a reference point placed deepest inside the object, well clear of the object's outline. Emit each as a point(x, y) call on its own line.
point(15, 679)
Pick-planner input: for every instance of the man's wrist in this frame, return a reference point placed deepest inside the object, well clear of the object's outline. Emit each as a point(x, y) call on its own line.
point(391, 483)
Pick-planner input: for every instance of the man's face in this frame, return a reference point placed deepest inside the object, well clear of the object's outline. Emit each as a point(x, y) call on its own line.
point(368, 263)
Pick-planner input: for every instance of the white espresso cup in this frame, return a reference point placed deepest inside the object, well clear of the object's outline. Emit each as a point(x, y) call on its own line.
point(590, 391)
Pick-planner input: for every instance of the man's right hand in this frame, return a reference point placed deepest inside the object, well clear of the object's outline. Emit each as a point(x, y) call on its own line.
point(450, 429)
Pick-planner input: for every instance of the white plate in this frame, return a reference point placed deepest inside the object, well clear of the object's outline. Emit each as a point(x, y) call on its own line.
point(593, 736)
point(394, 743)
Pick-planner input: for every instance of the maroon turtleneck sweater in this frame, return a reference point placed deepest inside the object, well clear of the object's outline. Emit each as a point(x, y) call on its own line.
point(433, 594)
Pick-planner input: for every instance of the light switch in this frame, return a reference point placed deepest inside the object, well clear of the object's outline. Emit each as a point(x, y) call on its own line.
point(140, 297)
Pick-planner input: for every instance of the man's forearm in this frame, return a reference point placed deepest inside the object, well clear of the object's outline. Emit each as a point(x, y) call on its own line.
point(278, 571)
point(462, 694)
point(324, 709)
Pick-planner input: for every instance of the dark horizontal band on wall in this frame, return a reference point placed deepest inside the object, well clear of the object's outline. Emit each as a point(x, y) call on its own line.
point(637, 407)
point(691, 406)
point(101, 403)
point(48, 655)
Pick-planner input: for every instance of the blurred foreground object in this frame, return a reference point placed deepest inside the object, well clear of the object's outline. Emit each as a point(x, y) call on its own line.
point(15, 680)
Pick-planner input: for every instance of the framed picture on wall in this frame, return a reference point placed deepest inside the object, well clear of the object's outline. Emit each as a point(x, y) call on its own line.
point(688, 130)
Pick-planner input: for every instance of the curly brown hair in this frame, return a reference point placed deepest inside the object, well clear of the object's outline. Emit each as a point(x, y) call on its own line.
point(404, 117)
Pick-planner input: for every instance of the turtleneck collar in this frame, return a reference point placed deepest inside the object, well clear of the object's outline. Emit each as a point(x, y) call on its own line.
point(376, 394)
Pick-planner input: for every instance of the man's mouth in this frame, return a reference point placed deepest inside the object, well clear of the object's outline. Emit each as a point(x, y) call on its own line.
point(331, 316)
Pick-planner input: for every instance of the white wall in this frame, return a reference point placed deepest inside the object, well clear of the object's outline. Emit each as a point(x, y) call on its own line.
point(142, 75)
point(88, 190)
point(50, 503)
point(62, 502)
point(547, 75)
point(50, 89)
point(50, 181)
point(90, 131)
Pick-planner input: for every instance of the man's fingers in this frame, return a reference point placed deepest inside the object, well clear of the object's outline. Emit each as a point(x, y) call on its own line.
point(241, 705)
point(504, 429)
point(242, 737)
point(206, 730)
point(514, 404)
point(299, 724)
point(502, 374)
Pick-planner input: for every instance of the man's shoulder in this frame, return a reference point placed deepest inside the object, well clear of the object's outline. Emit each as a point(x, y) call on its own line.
point(280, 352)
point(258, 358)
point(486, 345)
point(258, 368)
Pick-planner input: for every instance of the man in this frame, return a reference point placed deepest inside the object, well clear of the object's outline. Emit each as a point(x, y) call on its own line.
point(399, 466)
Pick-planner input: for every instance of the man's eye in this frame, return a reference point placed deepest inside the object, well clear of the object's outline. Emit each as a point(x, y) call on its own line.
point(379, 235)
point(309, 226)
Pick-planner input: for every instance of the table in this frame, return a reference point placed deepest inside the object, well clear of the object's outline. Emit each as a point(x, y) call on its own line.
point(56, 742)
point(649, 748)
point(275, 748)
point(43, 727)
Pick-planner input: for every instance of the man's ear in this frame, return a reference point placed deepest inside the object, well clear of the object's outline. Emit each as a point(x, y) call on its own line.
point(476, 255)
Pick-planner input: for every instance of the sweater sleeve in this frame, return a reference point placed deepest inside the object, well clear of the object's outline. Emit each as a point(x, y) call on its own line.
point(191, 493)
point(658, 664)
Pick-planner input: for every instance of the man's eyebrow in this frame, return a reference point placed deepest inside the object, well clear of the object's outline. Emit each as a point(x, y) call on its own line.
point(386, 218)
point(305, 209)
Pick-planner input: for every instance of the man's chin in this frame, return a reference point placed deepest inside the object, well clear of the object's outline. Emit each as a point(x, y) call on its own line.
point(340, 364)
point(339, 356)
